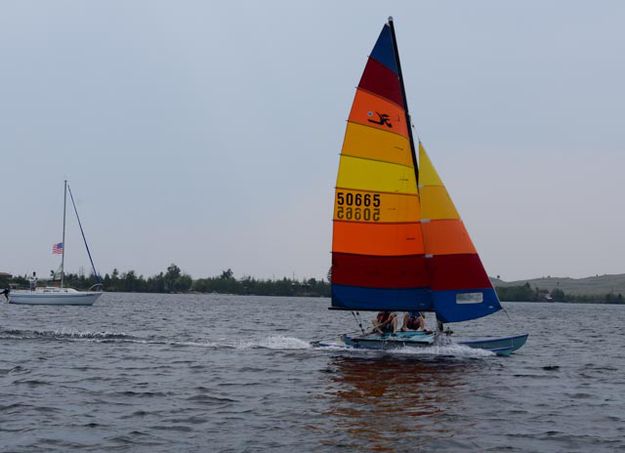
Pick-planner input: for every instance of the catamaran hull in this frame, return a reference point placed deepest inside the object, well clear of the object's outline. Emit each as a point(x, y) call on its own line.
point(499, 345)
point(389, 341)
point(54, 299)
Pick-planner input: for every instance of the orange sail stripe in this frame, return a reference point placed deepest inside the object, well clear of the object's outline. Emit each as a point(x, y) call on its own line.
point(374, 111)
point(446, 237)
point(382, 239)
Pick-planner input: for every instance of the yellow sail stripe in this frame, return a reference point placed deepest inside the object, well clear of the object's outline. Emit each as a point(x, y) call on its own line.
point(436, 204)
point(428, 176)
point(435, 200)
point(371, 143)
point(365, 174)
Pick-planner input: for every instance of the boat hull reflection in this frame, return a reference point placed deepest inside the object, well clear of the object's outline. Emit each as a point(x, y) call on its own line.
point(378, 401)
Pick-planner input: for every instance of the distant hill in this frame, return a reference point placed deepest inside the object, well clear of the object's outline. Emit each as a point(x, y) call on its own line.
point(600, 284)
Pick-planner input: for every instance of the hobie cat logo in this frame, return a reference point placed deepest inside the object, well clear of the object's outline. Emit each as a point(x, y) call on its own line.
point(383, 119)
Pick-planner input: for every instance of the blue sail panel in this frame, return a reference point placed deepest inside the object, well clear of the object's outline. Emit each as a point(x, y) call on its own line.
point(384, 51)
point(378, 299)
point(466, 304)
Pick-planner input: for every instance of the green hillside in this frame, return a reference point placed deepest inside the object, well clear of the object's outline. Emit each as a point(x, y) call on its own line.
point(599, 284)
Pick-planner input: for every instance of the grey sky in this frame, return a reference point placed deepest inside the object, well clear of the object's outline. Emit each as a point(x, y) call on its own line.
point(207, 133)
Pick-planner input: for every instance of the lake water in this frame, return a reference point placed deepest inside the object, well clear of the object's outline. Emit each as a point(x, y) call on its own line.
point(160, 373)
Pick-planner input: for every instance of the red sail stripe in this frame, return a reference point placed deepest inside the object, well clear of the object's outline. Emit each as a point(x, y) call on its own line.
point(379, 271)
point(380, 80)
point(450, 272)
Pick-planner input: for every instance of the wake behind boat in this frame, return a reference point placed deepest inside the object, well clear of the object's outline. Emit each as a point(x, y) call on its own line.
point(399, 244)
point(51, 295)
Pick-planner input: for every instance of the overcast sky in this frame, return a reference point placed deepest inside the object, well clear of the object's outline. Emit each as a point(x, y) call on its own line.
point(207, 133)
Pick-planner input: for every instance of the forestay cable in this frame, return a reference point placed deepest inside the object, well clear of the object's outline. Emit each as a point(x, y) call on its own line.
point(97, 276)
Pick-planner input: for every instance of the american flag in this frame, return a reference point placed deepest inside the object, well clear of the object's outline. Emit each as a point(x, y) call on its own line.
point(57, 249)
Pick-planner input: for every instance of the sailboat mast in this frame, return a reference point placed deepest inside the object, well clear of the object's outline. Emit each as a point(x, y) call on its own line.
point(63, 249)
point(403, 93)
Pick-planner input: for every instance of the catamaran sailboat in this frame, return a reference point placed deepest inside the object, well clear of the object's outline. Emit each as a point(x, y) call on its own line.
point(398, 241)
point(51, 295)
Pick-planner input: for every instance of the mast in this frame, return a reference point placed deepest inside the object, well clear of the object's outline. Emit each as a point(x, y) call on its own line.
point(63, 250)
point(403, 93)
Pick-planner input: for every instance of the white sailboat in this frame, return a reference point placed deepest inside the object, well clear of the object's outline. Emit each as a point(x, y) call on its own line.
point(51, 295)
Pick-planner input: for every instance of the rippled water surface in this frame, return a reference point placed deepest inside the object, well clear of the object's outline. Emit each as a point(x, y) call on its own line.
point(140, 372)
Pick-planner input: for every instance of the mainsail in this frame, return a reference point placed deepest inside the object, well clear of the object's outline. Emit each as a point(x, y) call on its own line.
point(398, 241)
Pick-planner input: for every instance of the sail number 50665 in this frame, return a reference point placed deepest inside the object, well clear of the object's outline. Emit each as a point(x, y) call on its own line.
point(358, 199)
point(357, 206)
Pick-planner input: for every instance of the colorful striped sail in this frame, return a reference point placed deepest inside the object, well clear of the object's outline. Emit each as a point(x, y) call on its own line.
point(393, 242)
point(461, 289)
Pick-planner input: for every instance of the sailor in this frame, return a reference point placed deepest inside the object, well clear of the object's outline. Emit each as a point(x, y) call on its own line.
point(384, 322)
point(33, 282)
point(413, 320)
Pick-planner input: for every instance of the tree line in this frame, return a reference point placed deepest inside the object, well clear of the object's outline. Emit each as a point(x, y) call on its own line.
point(525, 293)
point(173, 280)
